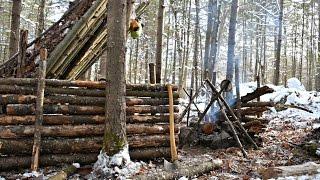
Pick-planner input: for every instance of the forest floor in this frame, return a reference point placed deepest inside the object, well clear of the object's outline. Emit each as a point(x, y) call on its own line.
point(284, 142)
point(283, 145)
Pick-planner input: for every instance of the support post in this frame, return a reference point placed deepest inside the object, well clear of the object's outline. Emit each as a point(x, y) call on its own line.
point(22, 53)
point(39, 110)
point(152, 73)
point(174, 155)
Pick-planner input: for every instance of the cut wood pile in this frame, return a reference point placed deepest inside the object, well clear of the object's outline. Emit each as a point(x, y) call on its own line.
point(248, 111)
point(73, 124)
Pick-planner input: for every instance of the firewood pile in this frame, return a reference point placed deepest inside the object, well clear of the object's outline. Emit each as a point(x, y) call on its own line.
point(238, 122)
point(73, 124)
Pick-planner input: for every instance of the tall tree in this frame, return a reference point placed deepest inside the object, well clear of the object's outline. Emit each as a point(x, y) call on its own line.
point(115, 129)
point(208, 35)
point(302, 40)
point(41, 17)
point(276, 76)
point(196, 47)
point(159, 41)
point(231, 42)
point(317, 83)
point(214, 38)
point(15, 26)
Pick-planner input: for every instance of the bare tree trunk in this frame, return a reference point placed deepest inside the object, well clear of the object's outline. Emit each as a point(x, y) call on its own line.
point(208, 36)
point(136, 62)
point(256, 65)
point(317, 79)
point(176, 34)
point(130, 63)
point(294, 59)
point(183, 75)
point(15, 24)
point(214, 40)
point(302, 41)
point(159, 41)
point(41, 17)
point(263, 69)
point(231, 42)
point(146, 58)
point(167, 49)
point(244, 50)
point(115, 129)
point(196, 44)
point(276, 77)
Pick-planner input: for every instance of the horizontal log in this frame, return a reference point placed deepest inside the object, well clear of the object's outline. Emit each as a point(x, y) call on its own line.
point(149, 87)
point(88, 84)
point(79, 100)
point(78, 145)
point(18, 162)
point(252, 110)
point(10, 89)
point(52, 120)
point(258, 104)
point(80, 119)
point(308, 168)
point(257, 93)
point(161, 118)
point(11, 132)
point(149, 109)
point(29, 109)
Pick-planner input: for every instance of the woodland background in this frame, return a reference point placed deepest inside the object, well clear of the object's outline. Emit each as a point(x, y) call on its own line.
point(195, 38)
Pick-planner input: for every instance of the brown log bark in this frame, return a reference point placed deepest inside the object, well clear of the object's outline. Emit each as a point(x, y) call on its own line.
point(65, 173)
point(9, 132)
point(258, 104)
point(80, 119)
point(257, 93)
point(39, 110)
point(309, 168)
point(249, 119)
point(22, 53)
point(29, 109)
point(78, 145)
point(190, 170)
point(8, 89)
point(252, 110)
point(78, 100)
point(77, 83)
point(18, 162)
point(152, 73)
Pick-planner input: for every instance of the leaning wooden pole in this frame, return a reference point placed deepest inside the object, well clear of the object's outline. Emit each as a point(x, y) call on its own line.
point(174, 155)
point(39, 110)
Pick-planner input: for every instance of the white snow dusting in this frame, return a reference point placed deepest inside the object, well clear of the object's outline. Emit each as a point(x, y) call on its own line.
point(119, 165)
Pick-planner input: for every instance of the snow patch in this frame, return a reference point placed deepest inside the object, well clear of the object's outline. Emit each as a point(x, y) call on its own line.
point(77, 165)
point(295, 84)
point(119, 165)
point(32, 174)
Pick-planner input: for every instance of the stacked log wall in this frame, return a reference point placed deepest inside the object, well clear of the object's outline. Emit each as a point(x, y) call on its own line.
point(74, 121)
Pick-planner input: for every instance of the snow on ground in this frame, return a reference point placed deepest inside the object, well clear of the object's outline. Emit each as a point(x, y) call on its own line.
point(285, 131)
